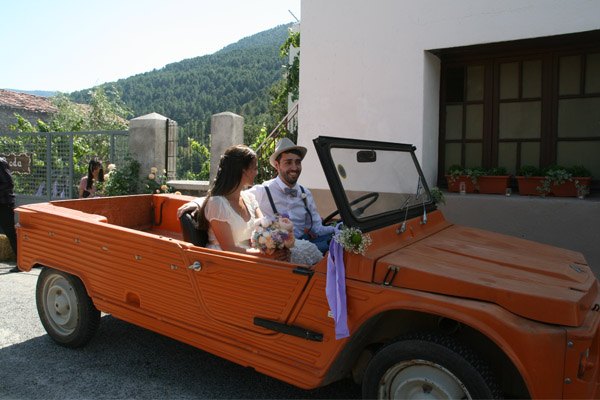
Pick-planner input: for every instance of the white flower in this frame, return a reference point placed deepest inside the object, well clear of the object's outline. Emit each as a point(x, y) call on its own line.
point(353, 240)
point(154, 170)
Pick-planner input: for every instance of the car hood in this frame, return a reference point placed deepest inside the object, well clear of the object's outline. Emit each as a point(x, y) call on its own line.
point(533, 280)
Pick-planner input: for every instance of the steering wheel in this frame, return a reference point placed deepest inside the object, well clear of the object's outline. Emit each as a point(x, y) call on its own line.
point(373, 196)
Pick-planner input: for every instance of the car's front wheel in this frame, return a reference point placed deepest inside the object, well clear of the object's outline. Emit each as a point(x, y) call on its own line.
point(66, 311)
point(428, 366)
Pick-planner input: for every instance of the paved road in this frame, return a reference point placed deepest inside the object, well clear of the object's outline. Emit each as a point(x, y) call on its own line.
point(122, 361)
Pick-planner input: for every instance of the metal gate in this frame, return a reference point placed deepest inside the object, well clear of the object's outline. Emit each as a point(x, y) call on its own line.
point(49, 165)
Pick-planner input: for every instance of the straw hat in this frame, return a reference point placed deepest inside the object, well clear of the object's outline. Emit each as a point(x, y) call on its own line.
point(284, 145)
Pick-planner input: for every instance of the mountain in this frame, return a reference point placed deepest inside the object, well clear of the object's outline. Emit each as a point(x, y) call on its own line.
point(236, 78)
point(41, 93)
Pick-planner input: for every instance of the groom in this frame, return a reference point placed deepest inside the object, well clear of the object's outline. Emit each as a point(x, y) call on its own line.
point(283, 195)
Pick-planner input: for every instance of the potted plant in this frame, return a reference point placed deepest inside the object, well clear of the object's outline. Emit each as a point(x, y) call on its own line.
point(582, 179)
point(529, 178)
point(494, 181)
point(566, 182)
point(489, 181)
point(466, 177)
point(554, 180)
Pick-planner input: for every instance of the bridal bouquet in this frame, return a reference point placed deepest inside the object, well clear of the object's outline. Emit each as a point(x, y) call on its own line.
point(270, 235)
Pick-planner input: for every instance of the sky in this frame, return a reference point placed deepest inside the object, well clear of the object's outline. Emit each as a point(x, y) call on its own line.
point(68, 45)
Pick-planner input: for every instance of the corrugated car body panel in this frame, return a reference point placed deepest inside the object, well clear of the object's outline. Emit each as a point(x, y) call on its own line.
point(117, 264)
point(234, 291)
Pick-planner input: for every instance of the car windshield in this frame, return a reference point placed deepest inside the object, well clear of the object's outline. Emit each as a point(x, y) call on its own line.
point(389, 176)
point(374, 180)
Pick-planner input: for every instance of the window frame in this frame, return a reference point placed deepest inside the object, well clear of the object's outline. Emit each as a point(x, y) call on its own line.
point(548, 50)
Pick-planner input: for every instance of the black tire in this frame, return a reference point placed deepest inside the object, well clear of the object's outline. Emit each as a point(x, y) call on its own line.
point(428, 365)
point(65, 309)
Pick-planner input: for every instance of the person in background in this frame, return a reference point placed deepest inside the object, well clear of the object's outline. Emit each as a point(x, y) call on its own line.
point(87, 185)
point(7, 207)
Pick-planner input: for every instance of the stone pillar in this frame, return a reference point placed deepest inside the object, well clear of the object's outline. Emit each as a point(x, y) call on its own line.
point(226, 129)
point(148, 142)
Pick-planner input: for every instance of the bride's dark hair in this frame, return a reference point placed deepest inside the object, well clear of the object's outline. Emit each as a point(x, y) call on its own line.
point(232, 165)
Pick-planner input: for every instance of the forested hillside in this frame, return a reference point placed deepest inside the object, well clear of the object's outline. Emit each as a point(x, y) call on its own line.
point(236, 78)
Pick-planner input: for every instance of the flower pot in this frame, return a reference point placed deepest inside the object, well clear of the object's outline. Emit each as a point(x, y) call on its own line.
point(454, 183)
point(491, 184)
point(528, 185)
point(569, 189)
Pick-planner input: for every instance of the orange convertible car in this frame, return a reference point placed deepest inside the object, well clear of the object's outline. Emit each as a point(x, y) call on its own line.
point(434, 310)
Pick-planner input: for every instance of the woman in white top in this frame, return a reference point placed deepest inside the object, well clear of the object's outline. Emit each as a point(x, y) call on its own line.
point(228, 213)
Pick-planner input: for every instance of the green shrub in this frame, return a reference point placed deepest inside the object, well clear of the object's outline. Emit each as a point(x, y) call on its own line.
point(529, 170)
point(579, 170)
point(122, 180)
point(497, 171)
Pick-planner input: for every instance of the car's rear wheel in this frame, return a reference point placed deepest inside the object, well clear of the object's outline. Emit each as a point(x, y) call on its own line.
point(65, 309)
point(428, 366)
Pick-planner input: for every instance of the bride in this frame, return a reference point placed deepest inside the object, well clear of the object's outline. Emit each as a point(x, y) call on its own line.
point(229, 213)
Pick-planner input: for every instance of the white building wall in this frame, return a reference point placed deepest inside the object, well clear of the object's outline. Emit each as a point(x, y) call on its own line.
point(365, 71)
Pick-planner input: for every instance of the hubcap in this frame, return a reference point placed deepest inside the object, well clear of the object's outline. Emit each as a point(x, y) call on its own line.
point(420, 379)
point(60, 304)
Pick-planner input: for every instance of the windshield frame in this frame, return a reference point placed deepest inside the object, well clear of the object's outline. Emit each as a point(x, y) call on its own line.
point(324, 145)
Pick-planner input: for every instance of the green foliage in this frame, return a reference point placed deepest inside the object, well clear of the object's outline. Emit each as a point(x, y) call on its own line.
point(579, 171)
point(265, 170)
point(556, 175)
point(123, 179)
point(496, 171)
point(108, 111)
point(473, 173)
point(22, 125)
point(529, 170)
point(553, 175)
point(292, 75)
point(193, 161)
point(437, 195)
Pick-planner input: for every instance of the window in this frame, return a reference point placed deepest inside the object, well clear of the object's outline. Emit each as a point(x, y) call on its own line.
point(530, 102)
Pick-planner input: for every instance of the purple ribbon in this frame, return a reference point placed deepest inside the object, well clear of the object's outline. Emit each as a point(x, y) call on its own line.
point(335, 289)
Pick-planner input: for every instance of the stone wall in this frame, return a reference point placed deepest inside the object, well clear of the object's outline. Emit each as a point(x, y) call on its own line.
point(7, 117)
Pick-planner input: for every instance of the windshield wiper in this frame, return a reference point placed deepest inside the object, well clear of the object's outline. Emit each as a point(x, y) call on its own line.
point(418, 194)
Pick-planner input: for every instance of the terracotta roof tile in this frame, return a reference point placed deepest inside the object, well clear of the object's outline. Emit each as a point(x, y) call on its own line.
point(22, 101)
